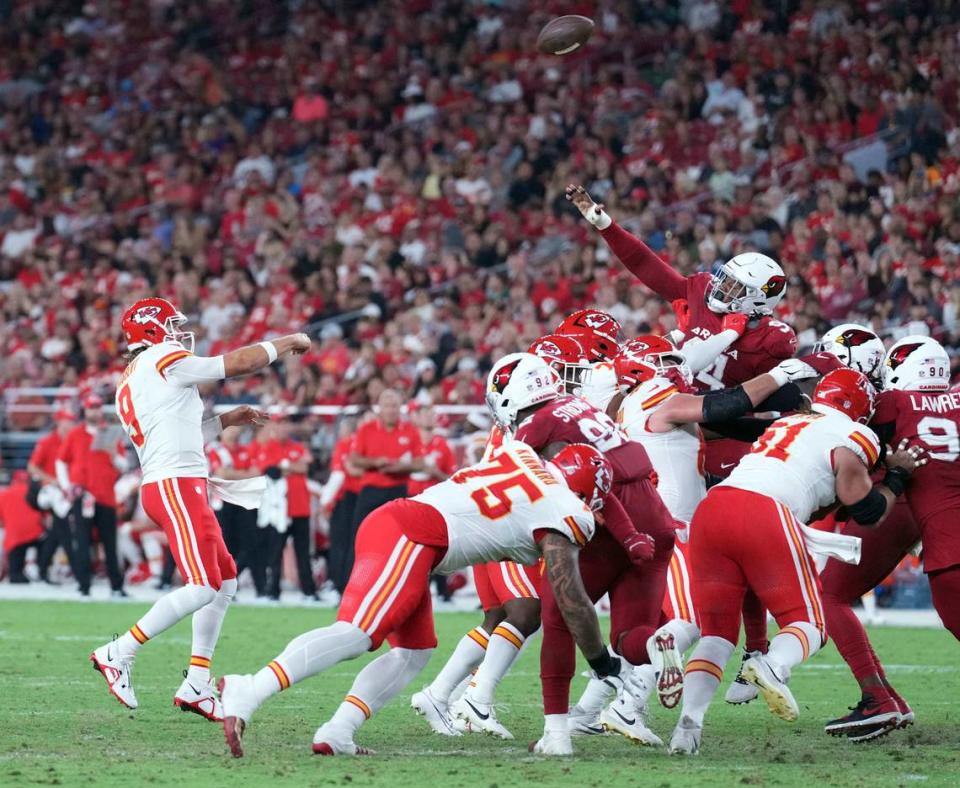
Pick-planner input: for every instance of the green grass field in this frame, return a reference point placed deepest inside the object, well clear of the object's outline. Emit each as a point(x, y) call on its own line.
point(58, 725)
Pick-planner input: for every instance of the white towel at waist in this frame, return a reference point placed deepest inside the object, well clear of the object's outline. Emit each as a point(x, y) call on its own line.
point(242, 492)
point(840, 546)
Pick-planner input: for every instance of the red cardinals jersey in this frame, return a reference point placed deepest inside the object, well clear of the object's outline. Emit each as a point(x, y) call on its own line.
point(574, 420)
point(933, 421)
point(763, 345)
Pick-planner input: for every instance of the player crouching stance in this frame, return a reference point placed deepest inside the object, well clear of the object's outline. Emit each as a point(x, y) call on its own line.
point(161, 409)
point(507, 506)
point(747, 534)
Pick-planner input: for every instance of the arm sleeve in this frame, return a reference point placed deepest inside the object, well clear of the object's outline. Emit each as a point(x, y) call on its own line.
point(701, 353)
point(332, 487)
point(746, 430)
point(641, 261)
point(211, 428)
point(192, 370)
point(784, 399)
point(616, 519)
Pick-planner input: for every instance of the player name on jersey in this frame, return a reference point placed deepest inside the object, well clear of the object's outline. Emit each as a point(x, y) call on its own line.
point(935, 403)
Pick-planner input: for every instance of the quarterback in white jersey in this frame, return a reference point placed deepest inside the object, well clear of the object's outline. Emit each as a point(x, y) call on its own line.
point(511, 506)
point(159, 405)
point(748, 533)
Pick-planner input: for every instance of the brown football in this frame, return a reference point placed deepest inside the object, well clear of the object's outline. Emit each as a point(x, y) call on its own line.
point(565, 34)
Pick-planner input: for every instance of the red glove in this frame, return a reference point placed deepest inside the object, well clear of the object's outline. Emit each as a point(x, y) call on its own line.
point(640, 548)
point(822, 362)
point(734, 322)
point(682, 310)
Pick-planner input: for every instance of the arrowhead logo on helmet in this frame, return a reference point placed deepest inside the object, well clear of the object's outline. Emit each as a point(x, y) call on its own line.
point(146, 314)
point(152, 321)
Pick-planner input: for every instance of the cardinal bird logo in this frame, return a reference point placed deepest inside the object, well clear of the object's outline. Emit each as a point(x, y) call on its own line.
point(854, 338)
point(774, 285)
point(502, 378)
point(146, 314)
point(901, 354)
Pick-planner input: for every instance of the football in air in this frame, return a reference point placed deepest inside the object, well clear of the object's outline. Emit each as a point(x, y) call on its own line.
point(565, 34)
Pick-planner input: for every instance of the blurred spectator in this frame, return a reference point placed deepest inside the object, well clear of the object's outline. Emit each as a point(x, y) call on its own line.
point(86, 469)
point(47, 496)
point(339, 500)
point(22, 526)
point(439, 461)
point(387, 449)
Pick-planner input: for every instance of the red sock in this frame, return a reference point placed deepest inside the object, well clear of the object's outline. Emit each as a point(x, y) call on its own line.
point(755, 623)
point(852, 643)
point(632, 645)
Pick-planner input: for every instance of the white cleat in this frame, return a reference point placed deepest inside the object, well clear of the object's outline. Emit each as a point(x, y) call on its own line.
point(670, 673)
point(117, 671)
point(622, 717)
point(200, 698)
point(329, 740)
point(686, 737)
point(553, 743)
point(479, 717)
point(765, 676)
point(436, 712)
point(238, 702)
point(584, 723)
point(741, 691)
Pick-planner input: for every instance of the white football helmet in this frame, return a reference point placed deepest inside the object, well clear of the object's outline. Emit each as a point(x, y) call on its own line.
point(750, 283)
point(917, 363)
point(854, 346)
point(519, 381)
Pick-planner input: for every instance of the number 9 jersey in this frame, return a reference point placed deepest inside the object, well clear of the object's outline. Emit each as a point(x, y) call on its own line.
point(160, 408)
point(792, 461)
point(931, 420)
point(494, 510)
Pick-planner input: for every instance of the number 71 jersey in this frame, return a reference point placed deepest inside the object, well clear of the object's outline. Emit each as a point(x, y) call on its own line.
point(494, 509)
point(792, 462)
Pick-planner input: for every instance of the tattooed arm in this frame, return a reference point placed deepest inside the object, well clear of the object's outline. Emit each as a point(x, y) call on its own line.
point(563, 573)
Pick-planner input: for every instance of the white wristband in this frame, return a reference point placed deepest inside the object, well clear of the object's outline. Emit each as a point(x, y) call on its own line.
point(599, 218)
point(780, 376)
point(271, 350)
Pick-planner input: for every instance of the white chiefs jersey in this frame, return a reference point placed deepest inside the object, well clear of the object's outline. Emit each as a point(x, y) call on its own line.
point(676, 456)
point(792, 461)
point(159, 405)
point(493, 509)
point(600, 385)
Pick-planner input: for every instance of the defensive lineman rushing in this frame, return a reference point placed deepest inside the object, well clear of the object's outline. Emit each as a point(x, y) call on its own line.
point(159, 405)
point(747, 533)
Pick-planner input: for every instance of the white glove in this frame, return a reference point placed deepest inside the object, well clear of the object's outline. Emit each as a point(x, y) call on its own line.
point(790, 370)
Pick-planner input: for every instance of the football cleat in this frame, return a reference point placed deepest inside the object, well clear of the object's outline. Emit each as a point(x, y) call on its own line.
point(766, 676)
point(670, 663)
point(686, 737)
point(553, 743)
point(117, 671)
point(436, 712)
point(740, 691)
point(200, 698)
point(479, 717)
point(622, 717)
point(583, 723)
point(871, 718)
point(238, 703)
point(906, 713)
point(328, 740)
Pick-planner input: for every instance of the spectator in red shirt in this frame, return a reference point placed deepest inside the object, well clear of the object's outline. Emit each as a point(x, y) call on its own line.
point(86, 471)
point(278, 457)
point(387, 449)
point(22, 525)
point(439, 461)
point(339, 498)
point(42, 467)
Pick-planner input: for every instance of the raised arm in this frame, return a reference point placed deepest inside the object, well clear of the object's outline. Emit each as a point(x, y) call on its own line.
point(638, 258)
point(184, 369)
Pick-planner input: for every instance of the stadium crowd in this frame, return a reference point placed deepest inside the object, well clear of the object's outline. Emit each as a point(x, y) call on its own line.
point(391, 174)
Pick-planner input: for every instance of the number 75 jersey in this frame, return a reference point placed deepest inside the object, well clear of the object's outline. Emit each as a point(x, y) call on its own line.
point(792, 462)
point(494, 510)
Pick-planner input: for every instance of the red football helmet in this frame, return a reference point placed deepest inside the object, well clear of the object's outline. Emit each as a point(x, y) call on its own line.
point(586, 471)
point(597, 332)
point(151, 321)
point(566, 356)
point(650, 356)
point(848, 391)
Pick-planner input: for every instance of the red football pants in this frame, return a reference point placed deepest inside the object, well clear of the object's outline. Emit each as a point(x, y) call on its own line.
point(741, 540)
point(181, 508)
point(678, 601)
point(636, 598)
point(388, 593)
point(499, 582)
